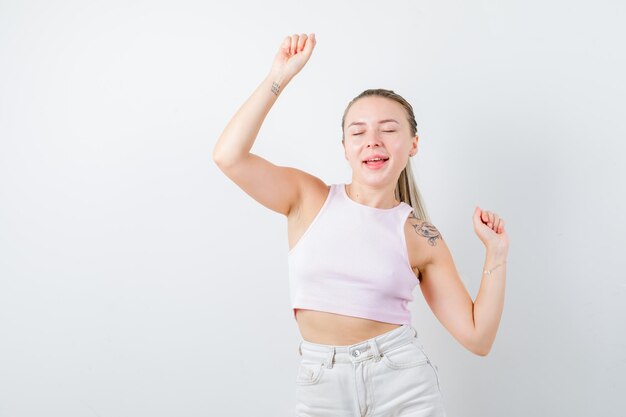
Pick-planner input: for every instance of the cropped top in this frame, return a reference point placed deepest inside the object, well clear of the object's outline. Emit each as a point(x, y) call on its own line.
point(353, 260)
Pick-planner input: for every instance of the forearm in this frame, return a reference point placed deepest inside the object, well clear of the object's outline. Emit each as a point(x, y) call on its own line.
point(241, 131)
point(489, 302)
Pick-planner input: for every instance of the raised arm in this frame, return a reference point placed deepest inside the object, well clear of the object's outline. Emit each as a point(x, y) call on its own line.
point(276, 187)
point(473, 324)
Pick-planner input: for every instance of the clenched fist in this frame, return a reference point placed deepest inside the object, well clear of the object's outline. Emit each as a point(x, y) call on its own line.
point(294, 52)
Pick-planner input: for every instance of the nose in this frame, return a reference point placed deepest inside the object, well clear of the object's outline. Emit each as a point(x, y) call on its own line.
point(373, 139)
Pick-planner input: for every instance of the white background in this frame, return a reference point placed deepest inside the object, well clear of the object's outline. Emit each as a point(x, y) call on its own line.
point(137, 280)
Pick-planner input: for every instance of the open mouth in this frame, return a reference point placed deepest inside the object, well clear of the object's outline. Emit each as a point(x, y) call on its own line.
point(375, 162)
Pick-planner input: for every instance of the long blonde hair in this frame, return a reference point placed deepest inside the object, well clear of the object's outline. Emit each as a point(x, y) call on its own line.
point(406, 189)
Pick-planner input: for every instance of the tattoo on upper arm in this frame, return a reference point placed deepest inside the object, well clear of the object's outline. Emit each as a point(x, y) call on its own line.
point(426, 229)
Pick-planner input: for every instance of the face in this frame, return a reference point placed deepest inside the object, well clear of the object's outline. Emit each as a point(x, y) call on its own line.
point(378, 126)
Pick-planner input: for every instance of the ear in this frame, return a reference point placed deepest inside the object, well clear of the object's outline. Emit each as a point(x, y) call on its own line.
point(414, 146)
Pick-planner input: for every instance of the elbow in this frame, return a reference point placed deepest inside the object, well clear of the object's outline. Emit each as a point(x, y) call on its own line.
point(221, 161)
point(219, 155)
point(478, 348)
point(225, 161)
point(483, 352)
point(217, 158)
point(478, 351)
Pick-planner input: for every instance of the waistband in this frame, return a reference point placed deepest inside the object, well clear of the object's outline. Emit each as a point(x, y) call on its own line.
point(361, 351)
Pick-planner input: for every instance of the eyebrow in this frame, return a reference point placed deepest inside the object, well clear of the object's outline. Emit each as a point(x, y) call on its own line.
point(380, 121)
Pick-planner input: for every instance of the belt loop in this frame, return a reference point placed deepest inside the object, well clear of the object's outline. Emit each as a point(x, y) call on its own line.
point(300, 347)
point(330, 358)
point(414, 332)
point(375, 350)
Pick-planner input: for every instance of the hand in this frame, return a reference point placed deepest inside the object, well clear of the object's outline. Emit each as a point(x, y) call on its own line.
point(490, 230)
point(294, 52)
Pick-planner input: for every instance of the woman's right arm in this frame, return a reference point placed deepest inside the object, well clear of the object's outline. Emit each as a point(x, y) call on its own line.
point(276, 187)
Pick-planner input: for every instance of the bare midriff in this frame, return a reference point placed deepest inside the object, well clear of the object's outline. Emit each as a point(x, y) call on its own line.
point(338, 330)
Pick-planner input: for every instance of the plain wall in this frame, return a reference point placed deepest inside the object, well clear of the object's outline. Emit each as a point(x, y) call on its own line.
point(137, 280)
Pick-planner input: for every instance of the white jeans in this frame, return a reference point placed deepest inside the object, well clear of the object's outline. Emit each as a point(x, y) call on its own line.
point(386, 376)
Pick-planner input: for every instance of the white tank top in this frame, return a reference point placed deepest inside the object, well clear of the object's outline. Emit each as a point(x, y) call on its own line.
point(353, 260)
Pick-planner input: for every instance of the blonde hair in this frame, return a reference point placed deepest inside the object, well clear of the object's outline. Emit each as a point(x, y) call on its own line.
point(406, 189)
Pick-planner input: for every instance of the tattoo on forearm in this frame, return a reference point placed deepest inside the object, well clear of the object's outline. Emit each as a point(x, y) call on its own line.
point(275, 87)
point(426, 229)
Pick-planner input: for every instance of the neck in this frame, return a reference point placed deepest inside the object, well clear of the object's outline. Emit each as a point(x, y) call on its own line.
point(382, 198)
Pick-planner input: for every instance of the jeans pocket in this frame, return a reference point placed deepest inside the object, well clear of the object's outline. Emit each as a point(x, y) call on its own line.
point(309, 373)
point(408, 355)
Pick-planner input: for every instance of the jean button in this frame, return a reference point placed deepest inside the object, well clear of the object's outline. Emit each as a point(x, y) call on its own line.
point(356, 353)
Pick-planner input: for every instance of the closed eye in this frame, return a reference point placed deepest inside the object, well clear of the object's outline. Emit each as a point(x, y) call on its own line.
point(386, 131)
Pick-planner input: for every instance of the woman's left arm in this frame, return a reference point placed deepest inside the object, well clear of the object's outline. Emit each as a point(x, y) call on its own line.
point(473, 323)
point(489, 302)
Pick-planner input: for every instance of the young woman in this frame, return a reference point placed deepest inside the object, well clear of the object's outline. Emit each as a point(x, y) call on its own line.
point(358, 250)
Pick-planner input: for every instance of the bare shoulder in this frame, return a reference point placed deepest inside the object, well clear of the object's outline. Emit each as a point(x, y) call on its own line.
point(423, 239)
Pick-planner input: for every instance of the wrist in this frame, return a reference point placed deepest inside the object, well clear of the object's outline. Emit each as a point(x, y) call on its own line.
point(490, 268)
point(494, 258)
point(496, 251)
point(280, 79)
